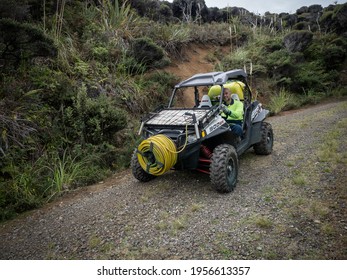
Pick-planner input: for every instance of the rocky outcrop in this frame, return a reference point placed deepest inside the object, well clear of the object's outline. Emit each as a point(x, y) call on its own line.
point(298, 41)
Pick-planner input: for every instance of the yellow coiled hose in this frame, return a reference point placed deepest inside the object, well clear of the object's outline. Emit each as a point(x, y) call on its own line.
point(157, 154)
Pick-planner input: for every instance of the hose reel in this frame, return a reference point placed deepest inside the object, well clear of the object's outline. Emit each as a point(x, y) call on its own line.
point(157, 154)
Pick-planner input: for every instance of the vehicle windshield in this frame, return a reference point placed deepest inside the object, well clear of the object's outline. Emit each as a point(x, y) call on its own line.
point(189, 97)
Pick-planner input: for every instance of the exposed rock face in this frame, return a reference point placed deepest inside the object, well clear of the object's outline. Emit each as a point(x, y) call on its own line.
point(298, 41)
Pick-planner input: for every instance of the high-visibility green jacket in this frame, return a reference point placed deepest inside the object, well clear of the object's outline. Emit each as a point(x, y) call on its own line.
point(236, 111)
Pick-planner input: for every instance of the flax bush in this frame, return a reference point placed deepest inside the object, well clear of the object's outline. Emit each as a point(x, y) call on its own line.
point(279, 101)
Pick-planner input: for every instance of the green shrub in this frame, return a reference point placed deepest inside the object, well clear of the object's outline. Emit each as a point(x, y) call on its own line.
point(100, 53)
point(21, 42)
point(300, 26)
point(339, 17)
point(334, 57)
point(146, 52)
point(326, 20)
point(311, 75)
point(339, 91)
point(328, 51)
point(15, 9)
point(21, 186)
point(128, 65)
point(280, 64)
point(55, 87)
point(311, 97)
point(93, 120)
point(160, 85)
point(270, 45)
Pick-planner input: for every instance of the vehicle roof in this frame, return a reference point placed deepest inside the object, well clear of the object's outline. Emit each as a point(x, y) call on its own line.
point(212, 78)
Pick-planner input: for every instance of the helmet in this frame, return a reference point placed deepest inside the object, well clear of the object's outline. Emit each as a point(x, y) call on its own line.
point(214, 92)
point(236, 87)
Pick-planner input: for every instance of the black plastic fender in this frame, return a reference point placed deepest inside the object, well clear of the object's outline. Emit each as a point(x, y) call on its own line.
point(261, 116)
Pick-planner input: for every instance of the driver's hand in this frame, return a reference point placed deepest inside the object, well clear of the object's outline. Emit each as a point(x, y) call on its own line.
point(226, 110)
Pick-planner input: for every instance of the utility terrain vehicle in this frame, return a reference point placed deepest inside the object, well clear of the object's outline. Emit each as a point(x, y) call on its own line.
point(197, 137)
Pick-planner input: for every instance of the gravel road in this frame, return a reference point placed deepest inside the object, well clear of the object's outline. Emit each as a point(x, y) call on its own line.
point(288, 205)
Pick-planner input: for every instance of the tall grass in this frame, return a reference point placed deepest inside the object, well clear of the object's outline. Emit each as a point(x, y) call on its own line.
point(170, 37)
point(117, 18)
point(279, 101)
point(65, 172)
point(34, 184)
point(58, 18)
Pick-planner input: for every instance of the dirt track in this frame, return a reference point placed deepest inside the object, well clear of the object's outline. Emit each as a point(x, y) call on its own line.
point(289, 205)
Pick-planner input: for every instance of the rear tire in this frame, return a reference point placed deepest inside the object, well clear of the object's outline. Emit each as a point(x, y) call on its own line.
point(264, 147)
point(138, 171)
point(224, 168)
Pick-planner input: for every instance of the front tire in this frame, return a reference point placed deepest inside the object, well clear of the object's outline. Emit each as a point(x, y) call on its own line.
point(138, 171)
point(224, 168)
point(264, 147)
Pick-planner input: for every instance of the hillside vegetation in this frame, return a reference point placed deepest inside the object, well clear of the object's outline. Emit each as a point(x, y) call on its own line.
point(77, 75)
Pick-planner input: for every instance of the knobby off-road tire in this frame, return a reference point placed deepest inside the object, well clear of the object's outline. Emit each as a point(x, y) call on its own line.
point(138, 171)
point(224, 168)
point(264, 147)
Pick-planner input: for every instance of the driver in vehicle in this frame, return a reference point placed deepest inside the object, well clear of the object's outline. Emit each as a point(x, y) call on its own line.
point(232, 111)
